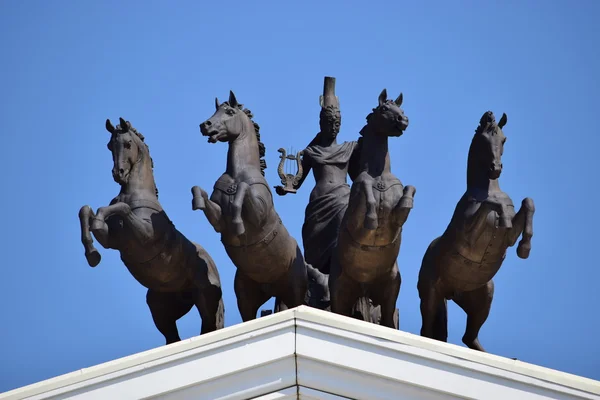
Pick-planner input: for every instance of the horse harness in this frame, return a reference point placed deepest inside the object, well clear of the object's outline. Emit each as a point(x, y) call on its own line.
point(381, 186)
point(230, 189)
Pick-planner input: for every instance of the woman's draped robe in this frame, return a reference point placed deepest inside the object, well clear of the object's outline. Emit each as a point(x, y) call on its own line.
point(323, 215)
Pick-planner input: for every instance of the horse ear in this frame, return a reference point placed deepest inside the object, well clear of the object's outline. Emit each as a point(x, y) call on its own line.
point(503, 121)
point(109, 126)
point(124, 125)
point(232, 100)
point(382, 97)
point(398, 101)
point(217, 105)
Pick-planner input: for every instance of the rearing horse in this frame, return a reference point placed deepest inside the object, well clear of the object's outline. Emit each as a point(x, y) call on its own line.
point(177, 272)
point(268, 260)
point(460, 264)
point(371, 230)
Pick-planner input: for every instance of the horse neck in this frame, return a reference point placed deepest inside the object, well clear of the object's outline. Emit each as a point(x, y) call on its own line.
point(141, 178)
point(375, 156)
point(478, 178)
point(243, 152)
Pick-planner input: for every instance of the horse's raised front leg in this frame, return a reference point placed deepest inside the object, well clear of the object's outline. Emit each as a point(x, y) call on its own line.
point(237, 205)
point(523, 223)
point(405, 205)
point(476, 218)
point(142, 229)
point(212, 210)
point(370, 221)
point(91, 254)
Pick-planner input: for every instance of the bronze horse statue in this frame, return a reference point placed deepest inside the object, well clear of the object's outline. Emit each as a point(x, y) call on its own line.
point(177, 272)
point(371, 229)
point(460, 264)
point(268, 260)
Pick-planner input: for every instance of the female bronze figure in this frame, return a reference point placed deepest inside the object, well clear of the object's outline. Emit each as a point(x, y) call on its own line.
point(330, 162)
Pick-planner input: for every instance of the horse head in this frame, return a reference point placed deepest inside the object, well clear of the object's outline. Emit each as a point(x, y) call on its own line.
point(127, 148)
point(488, 145)
point(388, 118)
point(227, 123)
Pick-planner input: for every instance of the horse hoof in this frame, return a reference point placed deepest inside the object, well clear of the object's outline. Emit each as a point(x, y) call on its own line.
point(93, 257)
point(474, 344)
point(523, 249)
point(371, 223)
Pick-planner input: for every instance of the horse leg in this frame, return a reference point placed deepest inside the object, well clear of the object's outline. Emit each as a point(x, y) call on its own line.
point(166, 308)
point(476, 304)
point(91, 254)
point(250, 296)
point(293, 290)
point(212, 210)
point(142, 229)
point(433, 313)
point(523, 224)
point(385, 293)
point(209, 296)
point(475, 219)
point(237, 205)
point(211, 308)
point(370, 221)
point(405, 205)
point(345, 291)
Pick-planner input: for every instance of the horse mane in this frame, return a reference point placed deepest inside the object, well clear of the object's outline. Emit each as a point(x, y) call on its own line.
point(370, 116)
point(261, 146)
point(141, 137)
point(486, 122)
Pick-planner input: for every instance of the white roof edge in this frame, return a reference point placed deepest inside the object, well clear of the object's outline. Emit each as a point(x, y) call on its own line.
point(535, 371)
point(309, 314)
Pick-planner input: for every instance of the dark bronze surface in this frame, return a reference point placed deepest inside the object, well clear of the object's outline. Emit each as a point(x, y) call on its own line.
point(329, 161)
point(460, 264)
point(268, 260)
point(364, 262)
point(177, 272)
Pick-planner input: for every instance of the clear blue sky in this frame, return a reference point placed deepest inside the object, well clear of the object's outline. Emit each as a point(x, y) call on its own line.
point(68, 65)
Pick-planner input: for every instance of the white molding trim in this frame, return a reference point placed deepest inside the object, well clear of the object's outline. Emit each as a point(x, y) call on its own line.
point(307, 353)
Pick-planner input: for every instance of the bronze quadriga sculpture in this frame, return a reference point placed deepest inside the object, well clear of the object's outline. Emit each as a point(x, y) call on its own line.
point(177, 272)
point(460, 264)
point(370, 234)
point(268, 260)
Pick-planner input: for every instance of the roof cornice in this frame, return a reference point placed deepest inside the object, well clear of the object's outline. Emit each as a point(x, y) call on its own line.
point(311, 351)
